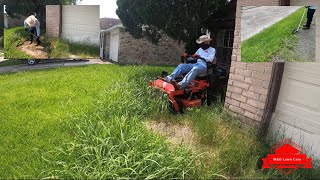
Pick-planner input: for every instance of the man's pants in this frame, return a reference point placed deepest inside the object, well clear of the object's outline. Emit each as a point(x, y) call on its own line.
point(191, 71)
point(32, 31)
point(310, 16)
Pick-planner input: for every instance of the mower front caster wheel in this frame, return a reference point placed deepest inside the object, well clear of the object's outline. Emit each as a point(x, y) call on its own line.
point(173, 110)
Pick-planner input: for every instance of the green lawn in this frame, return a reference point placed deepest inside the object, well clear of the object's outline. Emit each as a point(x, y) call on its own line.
point(87, 122)
point(55, 47)
point(276, 40)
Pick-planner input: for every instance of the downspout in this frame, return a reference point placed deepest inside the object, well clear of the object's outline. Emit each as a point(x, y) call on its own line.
point(60, 20)
point(284, 2)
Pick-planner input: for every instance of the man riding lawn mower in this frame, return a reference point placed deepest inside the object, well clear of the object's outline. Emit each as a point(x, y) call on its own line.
point(195, 81)
point(34, 25)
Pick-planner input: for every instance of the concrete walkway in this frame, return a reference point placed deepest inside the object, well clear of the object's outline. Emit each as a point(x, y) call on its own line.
point(307, 44)
point(255, 19)
point(50, 64)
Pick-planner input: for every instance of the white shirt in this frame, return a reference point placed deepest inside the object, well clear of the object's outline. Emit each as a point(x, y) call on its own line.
point(207, 54)
point(37, 26)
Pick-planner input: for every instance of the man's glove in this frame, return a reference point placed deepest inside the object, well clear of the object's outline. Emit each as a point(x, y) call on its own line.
point(25, 29)
point(185, 55)
point(195, 56)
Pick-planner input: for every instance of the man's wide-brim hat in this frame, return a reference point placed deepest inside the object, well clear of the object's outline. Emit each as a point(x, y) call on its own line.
point(203, 38)
point(31, 20)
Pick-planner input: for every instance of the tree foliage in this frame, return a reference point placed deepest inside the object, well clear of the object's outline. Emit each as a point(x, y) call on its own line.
point(182, 20)
point(18, 8)
point(26, 7)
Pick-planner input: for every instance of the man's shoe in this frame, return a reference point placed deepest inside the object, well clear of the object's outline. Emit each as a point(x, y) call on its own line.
point(30, 42)
point(38, 41)
point(305, 27)
point(176, 85)
point(162, 78)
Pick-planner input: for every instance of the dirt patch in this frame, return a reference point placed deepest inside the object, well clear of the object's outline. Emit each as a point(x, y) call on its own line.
point(176, 134)
point(36, 52)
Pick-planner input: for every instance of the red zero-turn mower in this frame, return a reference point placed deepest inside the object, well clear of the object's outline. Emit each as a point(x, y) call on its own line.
point(203, 90)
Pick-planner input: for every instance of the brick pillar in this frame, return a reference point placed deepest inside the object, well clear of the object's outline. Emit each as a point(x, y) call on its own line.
point(248, 86)
point(53, 20)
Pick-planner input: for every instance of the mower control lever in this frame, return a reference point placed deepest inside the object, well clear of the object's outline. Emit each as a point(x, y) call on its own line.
point(183, 59)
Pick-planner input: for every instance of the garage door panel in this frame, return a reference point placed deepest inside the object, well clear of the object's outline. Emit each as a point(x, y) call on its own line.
point(309, 141)
point(303, 122)
point(298, 107)
point(81, 23)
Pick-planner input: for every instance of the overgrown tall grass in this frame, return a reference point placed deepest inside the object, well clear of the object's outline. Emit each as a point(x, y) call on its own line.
point(86, 122)
point(12, 38)
point(65, 49)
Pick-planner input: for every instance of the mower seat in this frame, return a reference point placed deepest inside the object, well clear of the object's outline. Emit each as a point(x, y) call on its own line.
point(202, 76)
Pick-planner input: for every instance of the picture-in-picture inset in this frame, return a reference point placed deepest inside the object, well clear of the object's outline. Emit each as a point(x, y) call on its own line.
point(55, 32)
point(278, 33)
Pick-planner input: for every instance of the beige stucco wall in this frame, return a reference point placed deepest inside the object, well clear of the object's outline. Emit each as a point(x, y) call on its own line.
point(81, 23)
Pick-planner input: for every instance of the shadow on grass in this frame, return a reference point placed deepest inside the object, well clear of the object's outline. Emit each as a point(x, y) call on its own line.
point(10, 63)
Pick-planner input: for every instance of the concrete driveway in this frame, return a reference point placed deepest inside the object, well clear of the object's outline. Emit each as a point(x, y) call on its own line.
point(46, 64)
point(256, 18)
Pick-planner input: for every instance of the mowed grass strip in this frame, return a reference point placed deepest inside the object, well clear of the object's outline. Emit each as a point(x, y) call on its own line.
point(272, 41)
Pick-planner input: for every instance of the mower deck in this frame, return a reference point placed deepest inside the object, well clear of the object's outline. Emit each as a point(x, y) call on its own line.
point(192, 96)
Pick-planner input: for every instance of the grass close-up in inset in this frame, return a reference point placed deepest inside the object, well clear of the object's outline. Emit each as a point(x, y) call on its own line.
point(275, 41)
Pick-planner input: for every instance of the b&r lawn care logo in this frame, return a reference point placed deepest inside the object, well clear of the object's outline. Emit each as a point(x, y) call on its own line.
point(286, 157)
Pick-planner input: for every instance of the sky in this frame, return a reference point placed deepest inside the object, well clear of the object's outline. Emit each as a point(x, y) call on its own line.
point(107, 7)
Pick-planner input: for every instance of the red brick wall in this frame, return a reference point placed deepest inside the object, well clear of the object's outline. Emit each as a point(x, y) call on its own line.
point(248, 86)
point(53, 20)
point(141, 51)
